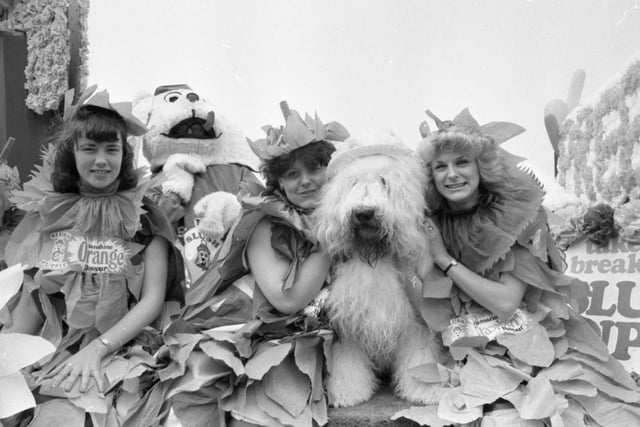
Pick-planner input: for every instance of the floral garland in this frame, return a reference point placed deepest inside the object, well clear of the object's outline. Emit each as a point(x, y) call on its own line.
point(46, 26)
point(588, 152)
point(83, 28)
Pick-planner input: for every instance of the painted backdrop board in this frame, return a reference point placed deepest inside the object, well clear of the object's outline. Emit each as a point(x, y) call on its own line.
point(613, 273)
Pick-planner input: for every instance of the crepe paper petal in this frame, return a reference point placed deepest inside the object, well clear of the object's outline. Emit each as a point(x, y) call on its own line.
point(190, 414)
point(426, 373)
point(20, 350)
point(581, 337)
point(474, 342)
point(11, 279)
point(273, 409)
point(538, 399)
point(288, 387)
point(494, 349)
point(560, 346)
point(464, 118)
point(575, 387)
point(131, 385)
point(116, 370)
point(336, 132)
point(452, 407)
point(611, 369)
point(562, 370)
point(266, 357)
point(611, 413)
point(247, 409)
point(91, 400)
point(423, 415)
point(319, 411)
point(180, 355)
point(296, 134)
point(604, 385)
point(306, 354)
point(460, 353)
point(58, 413)
point(201, 371)
point(501, 131)
point(148, 410)
point(437, 285)
point(110, 419)
point(223, 352)
point(482, 383)
point(532, 346)
point(573, 415)
point(512, 366)
point(16, 396)
point(127, 402)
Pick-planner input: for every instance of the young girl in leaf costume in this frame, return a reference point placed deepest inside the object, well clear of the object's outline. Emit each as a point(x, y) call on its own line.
point(249, 340)
point(98, 263)
point(521, 353)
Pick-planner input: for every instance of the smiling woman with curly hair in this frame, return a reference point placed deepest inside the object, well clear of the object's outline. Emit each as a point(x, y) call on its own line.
point(511, 319)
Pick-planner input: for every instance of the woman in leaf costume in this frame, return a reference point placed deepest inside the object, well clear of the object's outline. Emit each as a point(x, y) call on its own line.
point(250, 347)
point(521, 353)
point(97, 263)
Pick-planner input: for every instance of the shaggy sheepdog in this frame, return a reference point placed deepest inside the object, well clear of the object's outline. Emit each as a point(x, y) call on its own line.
point(370, 223)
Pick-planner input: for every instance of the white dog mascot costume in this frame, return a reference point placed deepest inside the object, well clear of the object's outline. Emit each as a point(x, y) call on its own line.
point(370, 222)
point(201, 161)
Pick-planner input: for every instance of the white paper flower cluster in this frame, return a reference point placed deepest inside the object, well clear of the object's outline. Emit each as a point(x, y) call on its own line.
point(46, 26)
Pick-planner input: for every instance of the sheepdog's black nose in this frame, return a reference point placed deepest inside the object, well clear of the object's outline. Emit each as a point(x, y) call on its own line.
point(192, 97)
point(362, 215)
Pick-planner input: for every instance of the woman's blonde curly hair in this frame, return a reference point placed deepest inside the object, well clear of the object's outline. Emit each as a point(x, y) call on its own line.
point(494, 172)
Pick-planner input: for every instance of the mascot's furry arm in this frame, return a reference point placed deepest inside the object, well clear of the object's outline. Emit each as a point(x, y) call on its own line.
point(217, 212)
point(179, 169)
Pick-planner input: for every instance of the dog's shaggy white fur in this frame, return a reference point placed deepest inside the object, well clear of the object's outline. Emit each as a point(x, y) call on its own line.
point(370, 222)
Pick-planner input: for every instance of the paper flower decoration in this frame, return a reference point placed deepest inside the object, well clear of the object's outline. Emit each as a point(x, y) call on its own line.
point(101, 99)
point(295, 133)
point(598, 224)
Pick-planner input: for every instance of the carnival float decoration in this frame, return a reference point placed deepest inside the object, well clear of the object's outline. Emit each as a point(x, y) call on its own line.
point(596, 216)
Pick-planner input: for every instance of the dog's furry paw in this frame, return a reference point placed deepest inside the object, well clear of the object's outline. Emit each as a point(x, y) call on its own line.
point(352, 379)
point(418, 392)
point(217, 212)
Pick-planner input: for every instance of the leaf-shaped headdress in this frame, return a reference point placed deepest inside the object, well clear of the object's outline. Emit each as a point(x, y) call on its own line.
point(464, 122)
point(295, 133)
point(101, 99)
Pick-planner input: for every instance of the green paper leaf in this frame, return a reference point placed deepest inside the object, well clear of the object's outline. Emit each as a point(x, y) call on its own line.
point(573, 387)
point(532, 346)
point(58, 413)
point(273, 409)
point(581, 337)
point(266, 357)
point(16, 396)
point(612, 368)
point(423, 415)
point(538, 399)
point(288, 387)
point(453, 408)
point(11, 279)
point(201, 370)
point(20, 350)
point(562, 370)
point(482, 383)
point(223, 352)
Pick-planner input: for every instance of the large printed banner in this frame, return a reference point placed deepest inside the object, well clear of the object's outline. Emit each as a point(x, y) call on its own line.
point(613, 273)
